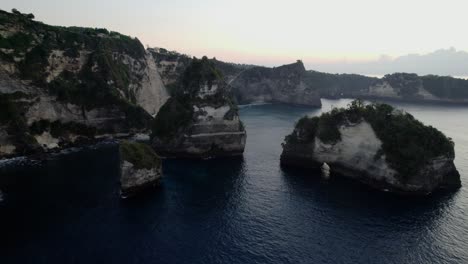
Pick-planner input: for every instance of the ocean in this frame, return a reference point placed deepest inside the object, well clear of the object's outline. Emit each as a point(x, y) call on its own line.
point(243, 210)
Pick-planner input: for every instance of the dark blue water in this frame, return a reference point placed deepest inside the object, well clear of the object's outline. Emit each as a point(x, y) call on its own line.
point(232, 211)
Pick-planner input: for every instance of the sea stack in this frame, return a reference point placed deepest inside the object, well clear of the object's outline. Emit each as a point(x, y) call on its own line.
point(140, 168)
point(201, 119)
point(377, 145)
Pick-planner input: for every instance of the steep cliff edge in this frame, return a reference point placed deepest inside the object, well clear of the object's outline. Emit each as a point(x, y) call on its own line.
point(60, 86)
point(201, 119)
point(377, 145)
point(284, 84)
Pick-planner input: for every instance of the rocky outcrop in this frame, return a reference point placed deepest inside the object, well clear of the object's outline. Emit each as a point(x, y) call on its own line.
point(140, 168)
point(284, 84)
point(60, 85)
point(376, 145)
point(201, 120)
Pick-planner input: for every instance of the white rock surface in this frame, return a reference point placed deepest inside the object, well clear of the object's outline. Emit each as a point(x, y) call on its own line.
point(207, 90)
point(325, 170)
point(210, 113)
point(152, 94)
point(47, 141)
point(357, 149)
point(383, 89)
point(133, 179)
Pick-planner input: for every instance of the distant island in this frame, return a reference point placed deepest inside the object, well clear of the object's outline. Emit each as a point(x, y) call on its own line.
point(442, 62)
point(375, 144)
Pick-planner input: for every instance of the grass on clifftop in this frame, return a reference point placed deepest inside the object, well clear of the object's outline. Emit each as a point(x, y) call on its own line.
point(406, 142)
point(140, 155)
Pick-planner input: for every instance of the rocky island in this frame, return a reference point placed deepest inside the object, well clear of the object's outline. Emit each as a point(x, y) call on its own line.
point(377, 145)
point(140, 168)
point(201, 119)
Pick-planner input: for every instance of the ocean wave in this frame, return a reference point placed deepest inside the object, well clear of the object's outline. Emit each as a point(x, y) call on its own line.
point(252, 104)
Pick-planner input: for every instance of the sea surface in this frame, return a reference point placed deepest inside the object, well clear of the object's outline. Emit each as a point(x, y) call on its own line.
point(243, 211)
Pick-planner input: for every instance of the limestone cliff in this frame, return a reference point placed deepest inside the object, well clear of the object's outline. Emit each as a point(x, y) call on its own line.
point(201, 120)
point(284, 84)
point(60, 85)
point(377, 145)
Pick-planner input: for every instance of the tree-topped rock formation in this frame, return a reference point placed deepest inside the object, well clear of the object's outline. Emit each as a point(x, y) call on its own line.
point(377, 145)
point(140, 168)
point(201, 119)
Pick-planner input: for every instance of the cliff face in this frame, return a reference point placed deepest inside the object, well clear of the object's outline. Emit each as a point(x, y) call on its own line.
point(358, 143)
point(249, 83)
point(201, 119)
point(283, 84)
point(59, 85)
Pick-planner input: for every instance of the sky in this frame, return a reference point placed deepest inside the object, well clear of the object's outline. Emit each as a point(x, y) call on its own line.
point(270, 32)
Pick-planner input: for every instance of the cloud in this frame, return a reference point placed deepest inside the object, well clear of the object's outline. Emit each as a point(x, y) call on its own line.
point(441, 62)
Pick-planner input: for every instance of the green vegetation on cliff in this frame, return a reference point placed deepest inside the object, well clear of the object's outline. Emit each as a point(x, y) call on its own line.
point(338, 85)
point(140, 155)
point(173, 116)
point(14, 123)
point(177, 113)
point(446, 86)
point(406, 142)
point(199, 73)
point(407, 83)
point(101, 75)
